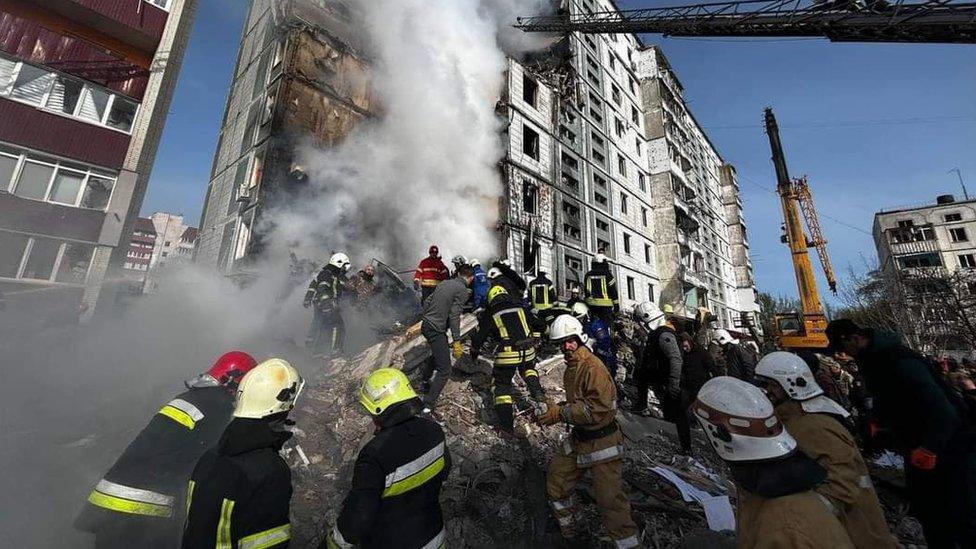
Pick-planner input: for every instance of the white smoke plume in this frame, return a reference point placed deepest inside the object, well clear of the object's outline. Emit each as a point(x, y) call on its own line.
point(427, 170)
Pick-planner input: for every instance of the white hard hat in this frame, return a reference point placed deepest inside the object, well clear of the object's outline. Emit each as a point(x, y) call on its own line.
point(494, 272)
point(459, 260)
point(649, 314)
point(474, 262)
point(506, 262)
point(340, 260)
point(739, 421)
point(722, 337)
point(580, 309)
point(270, 388)
point(791, 373)
point(566, 326)
point(600, 258)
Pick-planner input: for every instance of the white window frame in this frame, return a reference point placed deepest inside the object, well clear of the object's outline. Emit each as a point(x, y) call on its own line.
point(62, 247)
point(164, 6)
point(969, 258)
point(25, 156)
point(75, 114)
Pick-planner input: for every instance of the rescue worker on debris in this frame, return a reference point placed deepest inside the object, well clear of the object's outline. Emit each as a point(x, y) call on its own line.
point(240, 491)
point(810, 416)
point(324, 295)
point(738, 363)
point(512, 327)
point(575, 296)
point(506, 276)
point(778, 504)
point(457, 261)
point(479, 286)
point(442, 312)
point(138, 501)
point(600, 290)
point(542, 293)
point(599, 335)
point(596, 443)
point(430, 272)
point(394, 500)
point(364, 284)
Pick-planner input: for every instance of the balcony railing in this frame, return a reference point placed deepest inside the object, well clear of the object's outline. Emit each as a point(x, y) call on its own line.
point(917, 247)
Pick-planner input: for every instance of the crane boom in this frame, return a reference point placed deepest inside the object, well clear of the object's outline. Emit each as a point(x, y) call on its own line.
point(932, 21)
point(817, 240)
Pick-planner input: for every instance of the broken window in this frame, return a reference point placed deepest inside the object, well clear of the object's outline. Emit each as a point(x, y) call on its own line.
point(613, 61)
point(949, 218)
point(637, 146)
point(630, 287)
point(615, 94)
point(602, 246)
point(599, 158)
point(569, 161)
point(529, 254)
point(12, 246)
point(41, 258)
point(600, 181)
point(530, 142)
point(644, 216)
point(635, 116)
point(626, 243)
point(905, 223)
point(530, 90)
point(571, 211)
point(530, 197)
point(958, 235)
point(567, 134)
point(98, 191)
point(602, 225)
point(650, 292)
point(623, 203)
point(621, 164)
point(597, 140)
point(642, 182)
point(967, 261)
point(600, 199)
point(619, 127)
point(647, 254)
point(571, 232)
point(571, 182)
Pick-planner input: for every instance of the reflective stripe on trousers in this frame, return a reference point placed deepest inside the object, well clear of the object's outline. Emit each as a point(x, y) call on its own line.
point(513, 358)
point(584, 460)
point(134, 501)
point(416, 473)
point(267, 538)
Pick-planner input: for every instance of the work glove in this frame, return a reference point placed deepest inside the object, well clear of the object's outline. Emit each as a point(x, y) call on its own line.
point(922, 459)
point(416, 285)
point(548, 412)
point(458, 351)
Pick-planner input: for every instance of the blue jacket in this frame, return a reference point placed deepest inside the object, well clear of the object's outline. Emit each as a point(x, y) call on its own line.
point(479, 288)
point(602, 343)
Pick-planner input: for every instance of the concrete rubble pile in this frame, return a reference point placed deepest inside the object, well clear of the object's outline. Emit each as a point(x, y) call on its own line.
point(495, 494)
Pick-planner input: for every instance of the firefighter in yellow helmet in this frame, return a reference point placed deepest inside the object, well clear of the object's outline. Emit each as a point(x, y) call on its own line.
point(596, 443)
point(240, 491)
point(396, 483)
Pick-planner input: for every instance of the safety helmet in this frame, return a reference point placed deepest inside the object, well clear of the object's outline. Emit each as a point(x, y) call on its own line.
point(667, 309)
point(506, 262)
point(270, 388)
point(474, 262)
point(496, 291)
point(722, 337)
point(231, 367)
point(459, 260)
point(494, 272)
point(580, 309)
point(340, 261)
point(600, 258)
point(384, 388)
point(433, 250)
point(565, 327)
point(739, 421)
point(648, 314)
point(791, 373)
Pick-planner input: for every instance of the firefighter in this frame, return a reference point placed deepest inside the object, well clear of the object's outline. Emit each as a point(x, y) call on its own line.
point(507, 277)
point(812, 418)
point(575, 296)
point(600, 290)
point(596, 443)
point(479, 286)
point(136, 503)
point(542, 293)
point(512, 327)
point(457, 261)
point(238, 496)
point(442, 313)
point(324, 296)
point(661, 367)
point(430, 272)
point(599, 334)
point(778, 506)
point(396, 482)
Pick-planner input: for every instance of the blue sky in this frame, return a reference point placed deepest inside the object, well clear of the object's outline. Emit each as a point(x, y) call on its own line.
point(871, 125)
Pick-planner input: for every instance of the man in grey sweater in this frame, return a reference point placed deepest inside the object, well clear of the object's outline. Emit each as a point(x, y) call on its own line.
point(442, 311)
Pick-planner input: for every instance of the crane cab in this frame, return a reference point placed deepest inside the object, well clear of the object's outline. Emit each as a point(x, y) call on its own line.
point(796, 332)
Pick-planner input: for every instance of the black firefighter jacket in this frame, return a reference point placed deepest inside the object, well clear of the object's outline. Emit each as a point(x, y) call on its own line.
point(145, 486)
point(240, 491)
point(396, 485)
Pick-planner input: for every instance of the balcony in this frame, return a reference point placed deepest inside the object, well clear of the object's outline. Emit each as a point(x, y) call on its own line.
point(136, 22)
point(918, 247)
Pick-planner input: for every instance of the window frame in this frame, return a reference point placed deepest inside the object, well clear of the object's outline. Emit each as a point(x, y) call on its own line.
point(58, 259)
point(969, 263)
point(958, 234)
point(57, 167)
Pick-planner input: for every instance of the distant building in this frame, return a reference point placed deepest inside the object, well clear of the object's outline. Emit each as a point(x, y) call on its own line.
point(157, 241)
point(85, 87)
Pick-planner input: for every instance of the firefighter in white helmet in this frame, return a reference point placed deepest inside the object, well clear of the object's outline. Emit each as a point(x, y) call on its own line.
point(814, 421)
point(324, 296)
point(239, 493)
point(596, 443)
point(778, 504)
point(394, 500)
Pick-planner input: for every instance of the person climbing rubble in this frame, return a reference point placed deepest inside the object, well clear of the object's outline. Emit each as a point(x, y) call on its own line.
point(542, 293)
point(600, 340)
point(479, 286)
point(364, 286)
point(600, 290)
point(595, 443)
point(327, 333)
point(394, 500)
point(776, 483)
point(240, 491)
point(136, 503)
point(430, 272)
point(442, 312)
point(661, 368)
point(811, 417)
point(511, 326)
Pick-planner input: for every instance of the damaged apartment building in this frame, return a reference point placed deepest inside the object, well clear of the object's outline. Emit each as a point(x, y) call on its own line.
point(583, 170)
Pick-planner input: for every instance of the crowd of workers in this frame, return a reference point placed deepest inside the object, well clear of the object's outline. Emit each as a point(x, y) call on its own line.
point(207, 470)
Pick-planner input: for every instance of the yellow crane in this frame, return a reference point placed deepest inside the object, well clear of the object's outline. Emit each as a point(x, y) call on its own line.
point(802, 329)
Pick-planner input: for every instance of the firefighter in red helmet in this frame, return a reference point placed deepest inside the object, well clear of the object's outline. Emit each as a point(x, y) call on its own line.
point(139, 501)
point(430, 272)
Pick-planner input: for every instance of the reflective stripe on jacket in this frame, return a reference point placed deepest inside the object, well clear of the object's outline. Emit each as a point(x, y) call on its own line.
point(600, 289)
point(591, 404)
point(431, 271)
